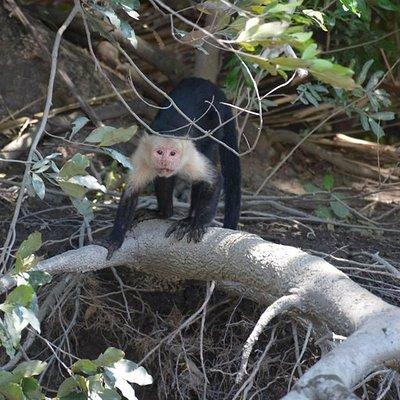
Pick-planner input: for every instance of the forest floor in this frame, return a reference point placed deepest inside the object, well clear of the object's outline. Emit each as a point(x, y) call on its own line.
point(145, 310)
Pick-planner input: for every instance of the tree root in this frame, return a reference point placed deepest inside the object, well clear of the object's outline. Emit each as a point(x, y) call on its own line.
point(264, 271)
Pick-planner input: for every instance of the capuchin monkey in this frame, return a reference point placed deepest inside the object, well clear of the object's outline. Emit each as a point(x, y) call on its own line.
point(161, 159)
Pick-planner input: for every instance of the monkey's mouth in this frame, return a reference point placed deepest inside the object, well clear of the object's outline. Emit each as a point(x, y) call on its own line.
point(165, 171)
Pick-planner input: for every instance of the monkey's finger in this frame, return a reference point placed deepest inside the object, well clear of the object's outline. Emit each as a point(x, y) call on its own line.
point(170, 230)
point(180, 232)
point(110, 254)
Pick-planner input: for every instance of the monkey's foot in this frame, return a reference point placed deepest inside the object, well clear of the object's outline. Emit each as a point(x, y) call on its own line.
point(179, 228)
point(196, 232)
point(187, 226)
point(109, 244)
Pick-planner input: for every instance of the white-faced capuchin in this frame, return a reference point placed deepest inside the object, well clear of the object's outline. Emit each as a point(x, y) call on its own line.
point(160, 159)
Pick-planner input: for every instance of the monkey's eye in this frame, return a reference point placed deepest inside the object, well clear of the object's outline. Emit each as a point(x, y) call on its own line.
point(159, 152)
point(172, 153)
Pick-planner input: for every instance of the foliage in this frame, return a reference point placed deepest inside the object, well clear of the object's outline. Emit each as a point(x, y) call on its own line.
point(337, 206)
point(367, 102)
point(73, 178)
point(103, 378)
point(20, 308)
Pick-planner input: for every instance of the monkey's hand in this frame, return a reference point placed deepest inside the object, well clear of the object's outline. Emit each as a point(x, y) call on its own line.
point(187, 226)
point(110, 244)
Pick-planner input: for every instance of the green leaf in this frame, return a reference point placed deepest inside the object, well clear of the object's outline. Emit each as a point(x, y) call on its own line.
point(387, 5)
point(131, 372)
point(132, 13)
point(116, 155)
point(282, 8)
point(12, 391)
point(75, 166)
point(109, 357)
point(21, 317)
point(84, 207)
point(324, 213)
point(334, 79)
point(364, 122)
point(126, 389)
point(7, 377)
point(352, 5)
point(38, 185)
point(376, 129)
point(28, 369)
point(383, 116)
point(311, 99)
point(67, 387)
point(109, 394)
point(363, 74)
point(97, 390)
point(75, 396)
point(316, 16)
point(129, 33)
point(120, 135)
point(339, 209)
point(310, 52)
point(38, 278)
point(301, 37)
point(310, 188)
point(21, 295)
point(86, 366)
point(327, 182)
point(73, 190)
point(78, 124)
point(41, 166)
point(31, 389)
point(6, 342)
point(87, 181)
point(30, 245)
point(256, 31)
point(373, 81)
point(98, 134)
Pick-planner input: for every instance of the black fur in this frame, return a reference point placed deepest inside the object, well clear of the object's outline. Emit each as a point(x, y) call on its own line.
point(199, 100)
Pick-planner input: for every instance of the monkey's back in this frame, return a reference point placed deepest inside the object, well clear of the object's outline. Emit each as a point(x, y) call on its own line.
point(199, 100)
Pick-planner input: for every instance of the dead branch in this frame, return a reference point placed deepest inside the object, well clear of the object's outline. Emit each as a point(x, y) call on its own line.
point(350, 166)
point(360, 145)
point(162, 60)
point(258, 268)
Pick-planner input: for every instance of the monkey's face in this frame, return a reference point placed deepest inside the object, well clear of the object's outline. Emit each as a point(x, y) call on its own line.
point(166, 159)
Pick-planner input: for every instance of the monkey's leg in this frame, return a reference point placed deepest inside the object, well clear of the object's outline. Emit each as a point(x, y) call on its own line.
point(181, 227)
point(123, 221)
point(164, 188)
point(205, 209)
point(205, 198)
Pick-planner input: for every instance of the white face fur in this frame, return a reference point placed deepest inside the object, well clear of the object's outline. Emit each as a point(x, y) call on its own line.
point(165, 157)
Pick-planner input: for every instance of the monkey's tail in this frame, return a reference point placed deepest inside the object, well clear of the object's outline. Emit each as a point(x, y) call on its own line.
point(231, 172)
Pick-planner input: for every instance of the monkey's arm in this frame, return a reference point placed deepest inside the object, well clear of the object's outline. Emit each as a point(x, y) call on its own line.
point(123, 221)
